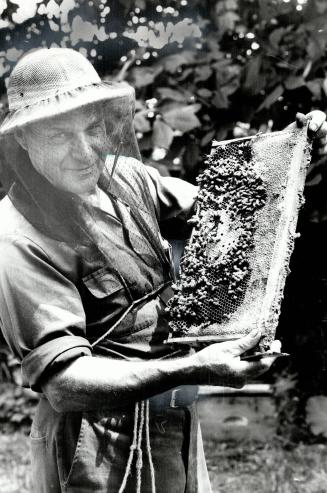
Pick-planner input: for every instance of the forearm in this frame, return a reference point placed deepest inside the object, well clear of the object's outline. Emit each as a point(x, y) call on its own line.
point(94, 383)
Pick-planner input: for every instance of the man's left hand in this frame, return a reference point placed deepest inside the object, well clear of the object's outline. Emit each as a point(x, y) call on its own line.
point(317, 129)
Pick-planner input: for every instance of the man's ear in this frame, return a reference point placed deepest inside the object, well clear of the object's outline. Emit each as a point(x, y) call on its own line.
point(20, 138)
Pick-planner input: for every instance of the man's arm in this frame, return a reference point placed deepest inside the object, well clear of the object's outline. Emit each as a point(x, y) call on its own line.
point(93, 383)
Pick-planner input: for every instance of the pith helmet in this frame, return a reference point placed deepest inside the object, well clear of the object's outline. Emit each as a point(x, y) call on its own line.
point(49, 82)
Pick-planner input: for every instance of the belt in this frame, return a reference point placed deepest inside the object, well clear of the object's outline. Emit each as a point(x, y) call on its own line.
point(176, 398)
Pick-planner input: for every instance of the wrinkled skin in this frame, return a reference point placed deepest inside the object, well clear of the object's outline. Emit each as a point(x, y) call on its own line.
point(68, 149)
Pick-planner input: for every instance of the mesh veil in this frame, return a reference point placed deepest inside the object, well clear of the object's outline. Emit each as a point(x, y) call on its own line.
point(235, 266)
point(63, 215)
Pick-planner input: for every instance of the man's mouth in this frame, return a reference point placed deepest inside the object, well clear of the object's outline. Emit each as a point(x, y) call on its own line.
point(81, 170)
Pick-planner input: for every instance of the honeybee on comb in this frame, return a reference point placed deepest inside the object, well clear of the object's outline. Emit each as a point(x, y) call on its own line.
point(233, 271)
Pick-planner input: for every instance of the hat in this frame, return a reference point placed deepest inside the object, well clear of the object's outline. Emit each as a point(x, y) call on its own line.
point(49, 82)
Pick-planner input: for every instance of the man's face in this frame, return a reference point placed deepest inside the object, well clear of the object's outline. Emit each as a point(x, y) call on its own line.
point(69, 150)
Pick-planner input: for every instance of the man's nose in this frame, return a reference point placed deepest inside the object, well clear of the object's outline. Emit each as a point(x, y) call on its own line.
point(81, 146)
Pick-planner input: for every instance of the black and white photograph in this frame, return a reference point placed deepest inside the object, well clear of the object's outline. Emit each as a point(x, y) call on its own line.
point(163, 246)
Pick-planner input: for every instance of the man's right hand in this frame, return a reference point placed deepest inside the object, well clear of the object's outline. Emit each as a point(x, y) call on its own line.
point(220, 363)
point(94, 382)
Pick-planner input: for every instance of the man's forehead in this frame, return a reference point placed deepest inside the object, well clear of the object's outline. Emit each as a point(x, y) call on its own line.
point(81, 116)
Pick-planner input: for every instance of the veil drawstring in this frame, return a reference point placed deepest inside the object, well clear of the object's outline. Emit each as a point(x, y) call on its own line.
point(141, 422)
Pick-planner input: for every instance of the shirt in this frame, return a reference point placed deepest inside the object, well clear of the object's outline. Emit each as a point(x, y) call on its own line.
point(48, 297)
point(55, 301)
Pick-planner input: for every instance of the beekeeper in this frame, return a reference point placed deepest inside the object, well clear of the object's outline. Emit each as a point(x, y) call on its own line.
point(84, 280)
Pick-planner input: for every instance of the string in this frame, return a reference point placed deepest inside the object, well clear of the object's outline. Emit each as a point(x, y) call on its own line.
point(141, 422)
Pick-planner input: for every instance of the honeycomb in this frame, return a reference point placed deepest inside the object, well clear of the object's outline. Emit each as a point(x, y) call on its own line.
point(235, 265)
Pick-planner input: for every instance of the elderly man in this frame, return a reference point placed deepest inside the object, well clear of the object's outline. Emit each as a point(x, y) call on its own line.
point(85, 276)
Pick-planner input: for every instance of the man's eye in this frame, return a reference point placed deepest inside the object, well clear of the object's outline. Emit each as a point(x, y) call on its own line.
point(95, 128)
point(59, 137)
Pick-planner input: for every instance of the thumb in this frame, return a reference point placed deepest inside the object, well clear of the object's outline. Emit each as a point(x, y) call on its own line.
point(300, 119)
point(245, 343)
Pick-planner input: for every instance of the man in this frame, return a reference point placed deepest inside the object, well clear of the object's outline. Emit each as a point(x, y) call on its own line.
point(85, 276)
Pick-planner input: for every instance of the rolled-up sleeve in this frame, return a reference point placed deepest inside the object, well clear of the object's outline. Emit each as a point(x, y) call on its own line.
point(42, 316)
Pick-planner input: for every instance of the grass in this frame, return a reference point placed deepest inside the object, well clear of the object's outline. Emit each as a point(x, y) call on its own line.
point(267, 468)
point(14, 463)
point(247, 468)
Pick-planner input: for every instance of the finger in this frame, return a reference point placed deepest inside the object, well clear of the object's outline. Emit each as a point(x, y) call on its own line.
point(322, 131)
point(275, 347)
point(317, 118)
point(300, 119)
point(244, 343)
point(251, 369)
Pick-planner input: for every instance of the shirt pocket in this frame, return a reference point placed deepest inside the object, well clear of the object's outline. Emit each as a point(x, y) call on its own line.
point(102, 283)
point(104, 298)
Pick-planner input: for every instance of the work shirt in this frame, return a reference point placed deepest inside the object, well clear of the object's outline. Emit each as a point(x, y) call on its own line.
point(51, 298)
point(56, 302)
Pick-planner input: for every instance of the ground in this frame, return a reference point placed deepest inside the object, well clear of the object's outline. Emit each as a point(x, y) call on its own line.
point(247, 468)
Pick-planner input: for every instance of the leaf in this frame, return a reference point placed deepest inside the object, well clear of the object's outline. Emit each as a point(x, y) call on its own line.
point(293, 82)
point(17, 418)
point(202, 73)
point(220, 66)
point(141, 122)
point(141, 4)
point(317, 28)
point(314, 50)
point(315, 87)
point(204, 93)
point(185, 74)
point(139, 105)
point(191, 156)
point(220, 99)
point(231, 4)
point(207, 138)
point(183, 118)
point(252, 83)
point(228, 76)
point(314, 181)
point(171, 63)
point(227, 21)
point(272, 97)
point(276, 37)
point(145, 143)
point(144, 76)
point(173, 94)
point(162, 135)
point(170, 105)
point(284, 384)
point(316, 414)
point(222, 133)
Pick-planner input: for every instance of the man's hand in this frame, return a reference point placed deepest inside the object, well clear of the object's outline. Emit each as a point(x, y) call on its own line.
point(317, 129)
point(92, 382)
point(220, 364)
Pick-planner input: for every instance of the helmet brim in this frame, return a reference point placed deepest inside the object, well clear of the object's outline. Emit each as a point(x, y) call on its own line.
point(65, 102)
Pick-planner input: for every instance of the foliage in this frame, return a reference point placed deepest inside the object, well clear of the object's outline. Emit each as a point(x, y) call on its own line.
point(266, 467)
point(316, 414)
point(17, 406)
point(15, 463)
point(202, 70)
